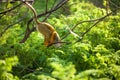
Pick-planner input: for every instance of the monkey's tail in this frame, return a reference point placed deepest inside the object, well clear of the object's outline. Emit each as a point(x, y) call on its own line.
point(33, 10)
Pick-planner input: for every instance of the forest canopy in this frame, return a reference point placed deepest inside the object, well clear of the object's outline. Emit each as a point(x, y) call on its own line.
point(89, 31)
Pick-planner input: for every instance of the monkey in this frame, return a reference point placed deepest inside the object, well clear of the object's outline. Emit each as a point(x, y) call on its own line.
point(51, 37)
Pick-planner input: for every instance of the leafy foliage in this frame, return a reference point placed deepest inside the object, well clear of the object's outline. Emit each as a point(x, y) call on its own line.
point(114, 5)
point(95, 57)
point(6, 68)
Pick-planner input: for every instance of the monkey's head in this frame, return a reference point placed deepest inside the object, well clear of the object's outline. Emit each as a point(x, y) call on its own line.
point(56, 40)
point(56, 43)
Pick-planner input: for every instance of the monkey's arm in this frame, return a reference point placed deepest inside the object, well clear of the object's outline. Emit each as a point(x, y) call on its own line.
point(52, 38)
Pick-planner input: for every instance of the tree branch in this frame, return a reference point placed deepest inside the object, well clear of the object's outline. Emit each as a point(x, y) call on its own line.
point(29, 31)
point(21, 19)
point(46, 5)
point(4, 12)
point(99, 20)
point(49, 13)
point(81, 22)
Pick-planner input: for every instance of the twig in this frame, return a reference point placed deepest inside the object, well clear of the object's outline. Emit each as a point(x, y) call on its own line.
point(99, 20)
point(46, 5)
point(118, 7)
point(49, 13)
point(21, 19)
point(29, 31)
point(4, 12)
point(60, 4)
point(79, 24)
point(84, 22)
point(59, 42)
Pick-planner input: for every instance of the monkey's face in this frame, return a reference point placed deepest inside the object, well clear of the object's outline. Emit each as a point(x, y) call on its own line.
point(55, 43)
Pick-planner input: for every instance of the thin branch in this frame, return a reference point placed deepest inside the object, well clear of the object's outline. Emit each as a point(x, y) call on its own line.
point(46, 5)
point(15, 0)
point(99, 20)
point(59, 5)
point(59, 42)
point(9, 26)
point(49, 13)
point(84, 22)
point(29, 31)
point(4, 12)
point(81, 22)
point(118, 7)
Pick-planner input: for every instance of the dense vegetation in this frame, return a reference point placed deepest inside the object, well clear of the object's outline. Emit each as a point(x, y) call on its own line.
point(92, 54)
